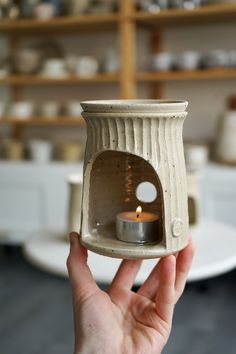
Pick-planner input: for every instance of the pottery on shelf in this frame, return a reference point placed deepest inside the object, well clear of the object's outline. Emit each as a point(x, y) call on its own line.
point(130, 142)
point(55, 67)
point(196, 155)
point(86, 66)
point(78, 7)
point(74, 109)
point(22, 110)
point(226, 142)
point(51, 109)
point(69, 151)
point(40, 151)
point(189, 60)
point(161, 62)
point(27, 61)
point(44, 11)
point(14, 150)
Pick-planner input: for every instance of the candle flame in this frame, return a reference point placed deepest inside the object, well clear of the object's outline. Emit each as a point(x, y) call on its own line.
point(138, 211)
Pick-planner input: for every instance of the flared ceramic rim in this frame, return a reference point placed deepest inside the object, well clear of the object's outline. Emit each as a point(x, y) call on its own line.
point(134, 106)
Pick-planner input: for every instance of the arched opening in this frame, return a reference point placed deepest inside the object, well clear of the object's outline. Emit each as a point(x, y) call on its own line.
point(114, 179)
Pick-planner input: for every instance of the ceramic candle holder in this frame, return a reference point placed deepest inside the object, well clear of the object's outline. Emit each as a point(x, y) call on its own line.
point(130, 142)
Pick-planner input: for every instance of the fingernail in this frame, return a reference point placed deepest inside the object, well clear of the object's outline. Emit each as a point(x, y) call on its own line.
point(73, 237)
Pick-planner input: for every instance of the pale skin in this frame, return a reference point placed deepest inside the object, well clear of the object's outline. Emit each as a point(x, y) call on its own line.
point(120, 321)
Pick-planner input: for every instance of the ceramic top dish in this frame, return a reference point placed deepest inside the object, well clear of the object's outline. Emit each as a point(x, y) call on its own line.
point(133, 106)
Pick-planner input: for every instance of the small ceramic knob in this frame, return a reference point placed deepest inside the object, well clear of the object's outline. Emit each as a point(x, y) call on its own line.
point(177, 227)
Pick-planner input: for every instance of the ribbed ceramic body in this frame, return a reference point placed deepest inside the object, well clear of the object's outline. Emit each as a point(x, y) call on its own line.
point(129, 142)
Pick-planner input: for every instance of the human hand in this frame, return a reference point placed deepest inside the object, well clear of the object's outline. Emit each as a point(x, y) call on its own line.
point(120, 321)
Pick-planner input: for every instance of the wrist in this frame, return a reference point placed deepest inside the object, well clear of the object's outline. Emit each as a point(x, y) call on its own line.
point(96, 348)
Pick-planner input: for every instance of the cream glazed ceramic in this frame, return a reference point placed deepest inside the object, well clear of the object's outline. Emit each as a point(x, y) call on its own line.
point(129, 142)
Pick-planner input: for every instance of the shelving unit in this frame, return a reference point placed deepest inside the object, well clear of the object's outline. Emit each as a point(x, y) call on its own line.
point(59, 24)
point(125, 23)
point(21, 80)
point(213, 74)
point(209, 14)
point(43, 121)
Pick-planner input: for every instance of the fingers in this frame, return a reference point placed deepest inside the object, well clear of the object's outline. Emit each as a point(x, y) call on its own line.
point(81, 278)
point(183, 264)
point(150, 286)
point(165, 297)
point(125, 275)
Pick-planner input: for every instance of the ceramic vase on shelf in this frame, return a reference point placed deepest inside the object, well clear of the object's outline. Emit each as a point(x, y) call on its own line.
point(75, 195)
point(196, 157)
point(14, 150)
point(130, 142)
point(226, 141)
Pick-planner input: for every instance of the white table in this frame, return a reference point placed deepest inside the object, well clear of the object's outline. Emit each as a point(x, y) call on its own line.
point(215, 254)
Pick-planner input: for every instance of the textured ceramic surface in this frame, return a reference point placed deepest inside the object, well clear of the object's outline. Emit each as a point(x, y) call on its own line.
point(129, 142)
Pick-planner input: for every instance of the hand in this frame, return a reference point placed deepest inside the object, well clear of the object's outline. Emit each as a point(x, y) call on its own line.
point(120, 321)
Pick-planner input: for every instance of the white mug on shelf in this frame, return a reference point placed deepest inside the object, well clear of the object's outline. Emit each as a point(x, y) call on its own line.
point(161, 62)
point(22, 109)
point(196, 156)
point(55, 68)
point(50, 109)
point(40, 150)
point(44, 11)
point(189, 60)
point(74, 109)
point(86, 66)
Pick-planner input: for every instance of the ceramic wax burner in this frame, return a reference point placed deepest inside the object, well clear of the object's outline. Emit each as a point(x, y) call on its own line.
point(130, 142)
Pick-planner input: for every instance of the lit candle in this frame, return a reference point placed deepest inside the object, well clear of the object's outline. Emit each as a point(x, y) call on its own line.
point(137, 227)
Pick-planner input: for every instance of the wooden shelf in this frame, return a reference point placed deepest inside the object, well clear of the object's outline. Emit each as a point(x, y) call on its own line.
point(106, 78)
point(179, 17)
point(213, 74)
point(60, 121)
point(96, 22)
point(68, 80)
point(63, 24)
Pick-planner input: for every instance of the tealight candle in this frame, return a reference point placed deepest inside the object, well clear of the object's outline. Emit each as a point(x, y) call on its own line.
point(137, 227)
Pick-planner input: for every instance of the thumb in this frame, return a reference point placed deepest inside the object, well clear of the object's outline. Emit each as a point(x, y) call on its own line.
point(81, 279)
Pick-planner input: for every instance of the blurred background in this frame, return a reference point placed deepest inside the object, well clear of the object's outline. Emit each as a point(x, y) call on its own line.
point(53, 55)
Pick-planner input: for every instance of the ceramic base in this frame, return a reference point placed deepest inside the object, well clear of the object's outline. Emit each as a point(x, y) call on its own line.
point(118, 249)
point(208, 261)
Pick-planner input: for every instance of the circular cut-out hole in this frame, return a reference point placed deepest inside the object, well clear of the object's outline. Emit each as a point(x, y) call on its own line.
point(146, 192)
